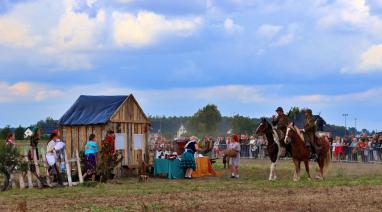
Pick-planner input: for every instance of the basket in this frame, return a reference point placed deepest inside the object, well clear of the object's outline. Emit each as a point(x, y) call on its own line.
point(231, 153)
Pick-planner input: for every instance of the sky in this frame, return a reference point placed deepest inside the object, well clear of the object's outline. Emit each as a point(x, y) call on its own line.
point(246, 56)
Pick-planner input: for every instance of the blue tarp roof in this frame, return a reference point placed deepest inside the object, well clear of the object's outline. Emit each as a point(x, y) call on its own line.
point(89, 110)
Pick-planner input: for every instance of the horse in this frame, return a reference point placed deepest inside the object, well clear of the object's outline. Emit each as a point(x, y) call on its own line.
point(265, 128)
point(302, 154)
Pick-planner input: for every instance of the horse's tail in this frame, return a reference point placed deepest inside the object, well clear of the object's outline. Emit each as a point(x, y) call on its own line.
point(327, 158)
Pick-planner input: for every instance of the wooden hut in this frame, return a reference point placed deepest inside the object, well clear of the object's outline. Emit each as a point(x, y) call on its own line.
point(98, 114)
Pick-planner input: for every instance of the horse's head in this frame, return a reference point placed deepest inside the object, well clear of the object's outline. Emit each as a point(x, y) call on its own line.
point(263, 127)
point(290, 130)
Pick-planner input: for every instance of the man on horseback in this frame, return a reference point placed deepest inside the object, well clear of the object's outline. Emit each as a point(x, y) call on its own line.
point(310, 134)
point(280, 122)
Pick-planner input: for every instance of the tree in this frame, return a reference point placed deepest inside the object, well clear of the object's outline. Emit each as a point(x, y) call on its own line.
point(5, 131)
point(10, 159)
point(243, 125)
point(19, 133)
point(205, 121)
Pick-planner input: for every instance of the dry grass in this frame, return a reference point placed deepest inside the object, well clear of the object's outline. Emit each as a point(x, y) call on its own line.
point(348, 187)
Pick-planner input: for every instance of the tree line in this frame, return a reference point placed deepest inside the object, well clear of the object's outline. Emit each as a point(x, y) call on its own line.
point(209, 121)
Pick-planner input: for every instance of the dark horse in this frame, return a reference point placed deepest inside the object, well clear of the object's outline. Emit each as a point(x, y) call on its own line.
point(301, 153)
point(272, 147)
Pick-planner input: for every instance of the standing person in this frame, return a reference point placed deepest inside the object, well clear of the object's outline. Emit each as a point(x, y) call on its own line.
point(216, 148)
point(35, 138)
point(375, 147)
point(353, 149)
point(188, 158)
point(281, 121)
point(51, 158)
point(91, 150)
point(234, 161)
point(109, 143)
point(10, 139)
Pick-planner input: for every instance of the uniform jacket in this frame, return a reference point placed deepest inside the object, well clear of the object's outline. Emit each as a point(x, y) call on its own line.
point(281, 123)
point(310, 128)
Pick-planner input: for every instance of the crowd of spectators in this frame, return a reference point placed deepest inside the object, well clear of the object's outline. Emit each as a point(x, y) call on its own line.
point(363, 148)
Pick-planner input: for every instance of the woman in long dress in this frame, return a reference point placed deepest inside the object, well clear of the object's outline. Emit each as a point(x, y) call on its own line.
point(188, 158)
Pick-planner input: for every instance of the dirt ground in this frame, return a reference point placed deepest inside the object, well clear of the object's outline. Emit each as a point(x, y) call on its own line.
point(345, 189)
point(355, 198)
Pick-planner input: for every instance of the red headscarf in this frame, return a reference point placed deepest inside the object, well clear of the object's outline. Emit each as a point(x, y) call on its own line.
point(235, 138)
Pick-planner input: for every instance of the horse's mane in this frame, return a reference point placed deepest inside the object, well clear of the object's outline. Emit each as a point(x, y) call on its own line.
point(299, 133)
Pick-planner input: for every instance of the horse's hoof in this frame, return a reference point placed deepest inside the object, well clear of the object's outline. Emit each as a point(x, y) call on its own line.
point(319, 178)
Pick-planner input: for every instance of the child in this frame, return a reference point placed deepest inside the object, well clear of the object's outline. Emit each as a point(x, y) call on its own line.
point(234, 161)
point(91, 150)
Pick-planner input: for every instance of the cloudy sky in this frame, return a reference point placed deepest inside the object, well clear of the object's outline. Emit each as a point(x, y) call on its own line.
point(246, 56)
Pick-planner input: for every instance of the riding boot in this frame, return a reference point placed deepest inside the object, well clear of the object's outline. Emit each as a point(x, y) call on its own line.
point(313, 155)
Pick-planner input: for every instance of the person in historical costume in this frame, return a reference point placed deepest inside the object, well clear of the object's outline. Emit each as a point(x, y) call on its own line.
point(234, 161)
point(51, 158)
point(280, 122)
point(188, 158)
point(34, 139)
point(91, 150)
point(309, 132)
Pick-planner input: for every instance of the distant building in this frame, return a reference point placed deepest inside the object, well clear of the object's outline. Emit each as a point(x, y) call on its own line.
point(28, 133)
point(181, 132)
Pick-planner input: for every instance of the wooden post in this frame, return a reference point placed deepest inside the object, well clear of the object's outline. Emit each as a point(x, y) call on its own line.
point(36, 166)
point(29, 174)
point(13, 183)
point(79, 167)
point(68, 171)
point(21, 181)
point(46, 170)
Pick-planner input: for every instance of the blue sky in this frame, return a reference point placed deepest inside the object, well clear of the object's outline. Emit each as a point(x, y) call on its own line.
point(246, 56)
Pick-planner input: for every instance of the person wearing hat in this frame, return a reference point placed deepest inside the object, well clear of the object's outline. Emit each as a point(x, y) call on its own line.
point(280, 121)
point(310, 133)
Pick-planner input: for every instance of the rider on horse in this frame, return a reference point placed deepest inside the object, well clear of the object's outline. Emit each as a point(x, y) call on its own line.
point(281, 122)
point(310, 134)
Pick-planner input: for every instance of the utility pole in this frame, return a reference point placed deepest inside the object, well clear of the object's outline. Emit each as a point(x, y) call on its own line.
point(345, 115)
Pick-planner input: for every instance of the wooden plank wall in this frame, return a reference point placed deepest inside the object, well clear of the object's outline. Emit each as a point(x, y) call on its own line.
point(129, 119)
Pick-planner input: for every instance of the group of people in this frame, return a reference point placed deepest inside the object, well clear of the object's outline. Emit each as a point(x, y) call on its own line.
point(351, 148)
point(55, 154)
point(191, 148)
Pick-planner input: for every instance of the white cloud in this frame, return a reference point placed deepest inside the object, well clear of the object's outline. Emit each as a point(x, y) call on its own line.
point(26, 91)
point(14, 33)
point(354, 14)
point(283, 40)
point(268, 30)
point(147, 27)
point(231, 26)
point(124, 1)
point(369, 61)
point(77, 31)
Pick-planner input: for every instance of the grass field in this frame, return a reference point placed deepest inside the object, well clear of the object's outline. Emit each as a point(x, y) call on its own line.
point(348, 187)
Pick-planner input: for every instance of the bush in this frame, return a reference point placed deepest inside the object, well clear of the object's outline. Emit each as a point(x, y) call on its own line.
point(10, 160)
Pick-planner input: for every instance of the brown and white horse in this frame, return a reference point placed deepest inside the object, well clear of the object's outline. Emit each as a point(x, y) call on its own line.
point(272, 147)
point(302, 154)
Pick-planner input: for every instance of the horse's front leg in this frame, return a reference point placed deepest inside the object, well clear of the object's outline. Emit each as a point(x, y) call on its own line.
point(271, 172)
point(299, 171)
point(295, 177)
point(306, 163)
